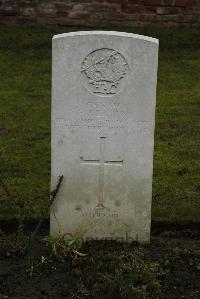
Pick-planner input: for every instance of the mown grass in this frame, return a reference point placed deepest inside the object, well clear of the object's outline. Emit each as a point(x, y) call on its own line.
point(25, 97)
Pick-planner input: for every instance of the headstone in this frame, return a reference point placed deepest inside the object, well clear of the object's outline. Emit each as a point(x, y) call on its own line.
point(103, 115)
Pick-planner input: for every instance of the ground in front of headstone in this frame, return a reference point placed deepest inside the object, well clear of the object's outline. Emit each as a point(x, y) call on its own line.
point(167, 268)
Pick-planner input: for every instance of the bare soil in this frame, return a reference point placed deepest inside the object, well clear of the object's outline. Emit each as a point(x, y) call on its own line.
point(177, 252)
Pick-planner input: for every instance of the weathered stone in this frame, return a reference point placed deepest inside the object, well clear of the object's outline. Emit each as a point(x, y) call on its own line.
point(103, 109)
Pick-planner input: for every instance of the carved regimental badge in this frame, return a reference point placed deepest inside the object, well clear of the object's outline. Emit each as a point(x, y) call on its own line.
point(104, 71)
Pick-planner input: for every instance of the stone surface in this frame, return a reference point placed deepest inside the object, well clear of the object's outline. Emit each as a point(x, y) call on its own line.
point(103, 111)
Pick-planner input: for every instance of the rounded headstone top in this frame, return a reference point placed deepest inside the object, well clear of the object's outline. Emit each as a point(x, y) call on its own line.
point(111, 33)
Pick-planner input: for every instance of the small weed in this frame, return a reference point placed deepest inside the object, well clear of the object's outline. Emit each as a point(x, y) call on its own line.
point(33, 265)
point(63, 248)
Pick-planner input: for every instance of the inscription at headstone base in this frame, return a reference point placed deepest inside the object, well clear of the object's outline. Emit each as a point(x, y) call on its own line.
point(103, 115)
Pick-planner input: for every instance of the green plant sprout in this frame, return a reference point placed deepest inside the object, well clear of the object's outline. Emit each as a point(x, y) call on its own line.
point(63, 247)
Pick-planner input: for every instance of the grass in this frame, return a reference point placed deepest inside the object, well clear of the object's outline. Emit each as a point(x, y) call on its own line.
point(25, 96)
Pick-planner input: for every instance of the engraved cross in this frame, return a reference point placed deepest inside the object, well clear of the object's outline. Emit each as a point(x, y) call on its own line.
point(101, 162)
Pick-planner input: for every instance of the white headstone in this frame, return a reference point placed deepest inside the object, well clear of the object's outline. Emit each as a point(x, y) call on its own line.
point(103, 114)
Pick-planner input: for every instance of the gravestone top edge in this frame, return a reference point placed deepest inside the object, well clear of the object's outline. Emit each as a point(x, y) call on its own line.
point(110, 33)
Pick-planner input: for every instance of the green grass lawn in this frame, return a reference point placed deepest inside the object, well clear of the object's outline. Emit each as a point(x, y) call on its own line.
point(25, 104)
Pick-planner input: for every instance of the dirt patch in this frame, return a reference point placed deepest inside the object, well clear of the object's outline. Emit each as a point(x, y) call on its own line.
point(167, 268)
